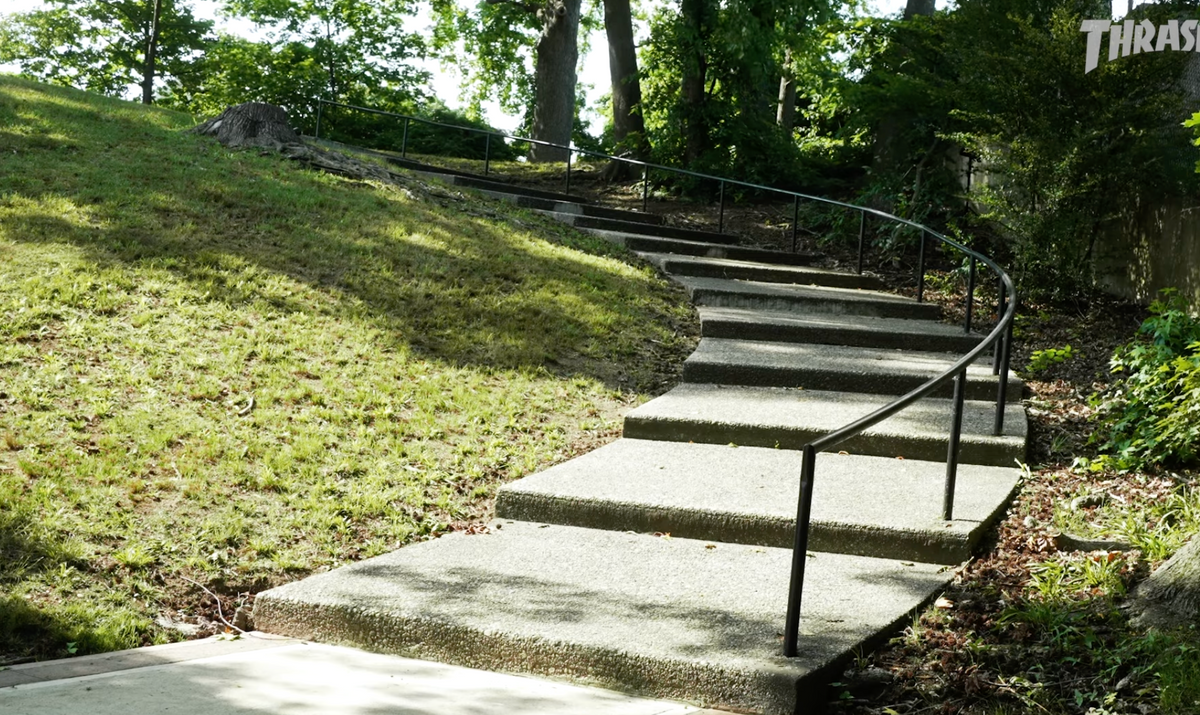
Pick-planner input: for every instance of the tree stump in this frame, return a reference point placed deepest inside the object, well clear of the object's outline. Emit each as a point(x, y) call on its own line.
point(253, 124)
point(1170, 597)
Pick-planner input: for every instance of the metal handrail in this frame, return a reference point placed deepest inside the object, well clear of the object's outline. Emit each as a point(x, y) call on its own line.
point(999, 339)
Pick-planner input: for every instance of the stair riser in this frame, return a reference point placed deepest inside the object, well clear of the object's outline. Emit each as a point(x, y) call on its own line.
point(739, 330)
point(881, 309)
point(444, 642)
point(649, 244)
point(947, 548)
point(811, 379)
point(973, 450)
point(606, 224)
point(767, 275)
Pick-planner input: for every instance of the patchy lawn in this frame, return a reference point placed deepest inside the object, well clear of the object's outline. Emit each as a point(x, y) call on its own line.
point(220, 369)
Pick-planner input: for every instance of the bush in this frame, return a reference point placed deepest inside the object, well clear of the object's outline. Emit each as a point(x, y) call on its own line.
point(1151, 418)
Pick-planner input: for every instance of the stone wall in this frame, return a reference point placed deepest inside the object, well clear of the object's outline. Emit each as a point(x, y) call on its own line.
point(1157, 247)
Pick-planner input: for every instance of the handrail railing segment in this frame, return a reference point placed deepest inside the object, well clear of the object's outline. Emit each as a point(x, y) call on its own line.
point(999, 340)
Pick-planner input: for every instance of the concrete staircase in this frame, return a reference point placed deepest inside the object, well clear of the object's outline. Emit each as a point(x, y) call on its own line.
point(659, 564)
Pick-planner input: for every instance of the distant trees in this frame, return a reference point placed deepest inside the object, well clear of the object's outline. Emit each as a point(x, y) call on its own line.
point(106, 45)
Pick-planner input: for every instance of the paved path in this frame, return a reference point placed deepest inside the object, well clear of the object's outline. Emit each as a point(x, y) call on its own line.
point(272, 675)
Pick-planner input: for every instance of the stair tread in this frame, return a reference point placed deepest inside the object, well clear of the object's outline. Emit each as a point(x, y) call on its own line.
point(850, 295)
point(702, 266)
point(857, 369)
point(766, 416)
point(915, 327)
point(673, 618)
point(679, 246)
point(719, 492)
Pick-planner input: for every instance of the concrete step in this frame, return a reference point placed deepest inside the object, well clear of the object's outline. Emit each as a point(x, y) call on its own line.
point(476, 182)
point(565, 207)
point(670, 618)
point(789, 419)
point(726, 293)
point(649, 244)
point(868, 506)
point(636, 228)
point(834, 367)
point(755, 271)
point(854, 330)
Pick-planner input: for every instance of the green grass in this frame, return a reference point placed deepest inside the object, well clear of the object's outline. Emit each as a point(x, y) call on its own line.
point(222, 367)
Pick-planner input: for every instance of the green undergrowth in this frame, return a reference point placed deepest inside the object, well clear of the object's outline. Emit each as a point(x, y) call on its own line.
point(220, 367)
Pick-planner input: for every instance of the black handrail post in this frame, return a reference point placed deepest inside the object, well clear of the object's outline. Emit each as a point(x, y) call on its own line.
point(960, 389)
point(921, 271)
point(1002, 390)
point(317, 132)
point(568, 171)
point(791, 632)
point(487, 153)
point(795, 220)
point(999, 316)
point(721, 216)
point(970, 295)
point(645, 188)
point(862, 235)
point(404, 141)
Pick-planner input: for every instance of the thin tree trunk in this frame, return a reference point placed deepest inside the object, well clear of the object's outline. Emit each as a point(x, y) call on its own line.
point(629, 129)
point(785, 112)
point(151, 54)
point(695, 68)
point(554, 79)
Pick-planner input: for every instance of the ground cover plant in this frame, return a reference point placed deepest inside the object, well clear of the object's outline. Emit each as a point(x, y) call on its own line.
point(220, 371)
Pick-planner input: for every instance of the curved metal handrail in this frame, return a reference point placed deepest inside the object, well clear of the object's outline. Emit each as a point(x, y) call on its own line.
point(1000, 338)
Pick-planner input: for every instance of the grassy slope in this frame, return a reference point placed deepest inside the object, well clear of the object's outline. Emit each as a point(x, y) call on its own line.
point(221, 367)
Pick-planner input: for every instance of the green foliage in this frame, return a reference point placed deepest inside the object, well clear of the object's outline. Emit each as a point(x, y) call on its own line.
point(1151, 417)
point(100, 45)
point(1059, 152)
point(740, 51)
point(1042, 360)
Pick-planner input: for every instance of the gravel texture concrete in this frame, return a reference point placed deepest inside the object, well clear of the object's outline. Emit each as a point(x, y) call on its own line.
point(773, 296)
point(662, 617)
point(265, 674)
point(823, 329)
point(834, 367)
point(869, 506)
point(790, 418)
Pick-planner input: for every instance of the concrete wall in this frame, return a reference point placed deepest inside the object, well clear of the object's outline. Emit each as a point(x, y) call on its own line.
point(1156, 247)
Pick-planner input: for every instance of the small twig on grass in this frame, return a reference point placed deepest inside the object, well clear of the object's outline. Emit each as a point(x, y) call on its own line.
point(246, 410)
point(220, 613)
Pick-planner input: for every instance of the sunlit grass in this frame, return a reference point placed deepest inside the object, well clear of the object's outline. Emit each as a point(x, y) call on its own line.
point(219, 366)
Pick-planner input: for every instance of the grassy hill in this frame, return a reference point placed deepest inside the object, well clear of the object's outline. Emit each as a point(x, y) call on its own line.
point(222, 369)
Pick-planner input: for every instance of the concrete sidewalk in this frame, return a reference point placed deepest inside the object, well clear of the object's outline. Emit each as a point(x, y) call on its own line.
point(260, 673)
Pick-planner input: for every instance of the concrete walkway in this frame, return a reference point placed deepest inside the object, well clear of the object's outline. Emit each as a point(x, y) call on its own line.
point(265, 674)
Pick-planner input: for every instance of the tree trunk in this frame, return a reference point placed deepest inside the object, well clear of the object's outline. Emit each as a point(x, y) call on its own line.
point(695, 68)
point(1170, 597)
point(151, 53)
point(628, 128)
point(554, 79)
point(785, 113)
point(918, 7)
